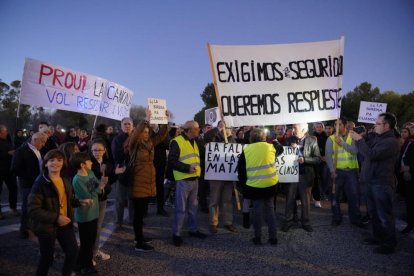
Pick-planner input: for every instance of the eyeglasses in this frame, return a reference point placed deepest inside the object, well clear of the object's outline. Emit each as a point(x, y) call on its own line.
point(378, 124)
point(98, 150)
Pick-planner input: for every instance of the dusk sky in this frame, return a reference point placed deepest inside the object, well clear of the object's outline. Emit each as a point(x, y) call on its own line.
point(158, 48)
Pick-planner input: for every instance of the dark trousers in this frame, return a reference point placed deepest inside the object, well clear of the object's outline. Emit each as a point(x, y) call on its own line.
point(24, 216)
point(347, 181)
point(292, 190)
point(140, 207)
point(324, 181)
point(87, 237)
point(11, 183)
point(203, 191)
point(317, 183)
point(67, 240)
point(409, 201)
point(264, 207)
point(379, 199)
point(159, 180)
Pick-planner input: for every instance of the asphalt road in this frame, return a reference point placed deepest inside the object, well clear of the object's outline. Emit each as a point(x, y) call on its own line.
point(328, 250)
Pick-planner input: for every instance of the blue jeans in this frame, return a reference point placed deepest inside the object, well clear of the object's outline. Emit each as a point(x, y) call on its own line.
point(266, 207)
point(24, 216)
point(379, 200)
point(185, 202)
point(102, 211)
point(347, 181)
point(122, 200)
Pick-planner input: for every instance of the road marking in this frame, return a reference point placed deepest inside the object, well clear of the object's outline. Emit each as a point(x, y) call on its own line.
point(107, 228)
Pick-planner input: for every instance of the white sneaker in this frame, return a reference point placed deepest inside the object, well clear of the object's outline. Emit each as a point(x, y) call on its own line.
point(102, 256)
point(318, 204)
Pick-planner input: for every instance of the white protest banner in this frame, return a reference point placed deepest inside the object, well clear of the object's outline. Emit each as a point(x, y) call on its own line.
point(221, 161)
point(288, 166)
point(278, 84)
point(57, 87)
point(369, 111)
point(158, 108)
point(212, 116)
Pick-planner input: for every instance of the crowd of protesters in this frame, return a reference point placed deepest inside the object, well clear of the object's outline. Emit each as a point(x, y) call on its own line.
point(66, 178)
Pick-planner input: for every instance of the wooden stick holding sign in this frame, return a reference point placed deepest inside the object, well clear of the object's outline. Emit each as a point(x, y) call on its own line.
point(236, 192)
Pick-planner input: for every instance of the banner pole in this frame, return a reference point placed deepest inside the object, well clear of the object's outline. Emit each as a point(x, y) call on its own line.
point(18, 107)
point(94, 122)
point(213, 72)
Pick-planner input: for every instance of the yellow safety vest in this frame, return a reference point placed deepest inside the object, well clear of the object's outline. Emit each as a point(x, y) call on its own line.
point(346, 160)
point(261, 165)
point(188, 155)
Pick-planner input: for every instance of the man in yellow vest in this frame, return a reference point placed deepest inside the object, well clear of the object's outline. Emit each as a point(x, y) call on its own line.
point(258, 178)
point(345, 174)
point(184, 159)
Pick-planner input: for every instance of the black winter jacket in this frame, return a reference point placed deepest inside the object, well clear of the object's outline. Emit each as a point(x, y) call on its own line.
point(109, 172)
point(43, 205)
point(380, 154)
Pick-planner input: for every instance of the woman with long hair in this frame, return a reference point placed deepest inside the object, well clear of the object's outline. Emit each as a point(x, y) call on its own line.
point(50, 206)
point(140, 144)
point(102, 166)
point(68, 149)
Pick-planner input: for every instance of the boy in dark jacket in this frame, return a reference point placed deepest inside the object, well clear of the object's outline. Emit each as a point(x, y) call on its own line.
point(50, 207)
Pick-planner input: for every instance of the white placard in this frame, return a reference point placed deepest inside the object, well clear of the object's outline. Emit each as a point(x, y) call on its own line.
point(287, 165)
point(212, 116)
point(221, 161)
point(369, 111)
point(158, 107)
point(53, 86)
point(279, 84)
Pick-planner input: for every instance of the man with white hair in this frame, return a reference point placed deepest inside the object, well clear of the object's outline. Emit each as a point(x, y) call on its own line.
point(50, 142)
point(27, 165)
point(123, 198)
point(308, 157)
point(184, 159)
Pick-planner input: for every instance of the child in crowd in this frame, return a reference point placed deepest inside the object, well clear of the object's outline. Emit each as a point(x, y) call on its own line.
point(50, 206)
point(102, 167)
point(86, 186)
